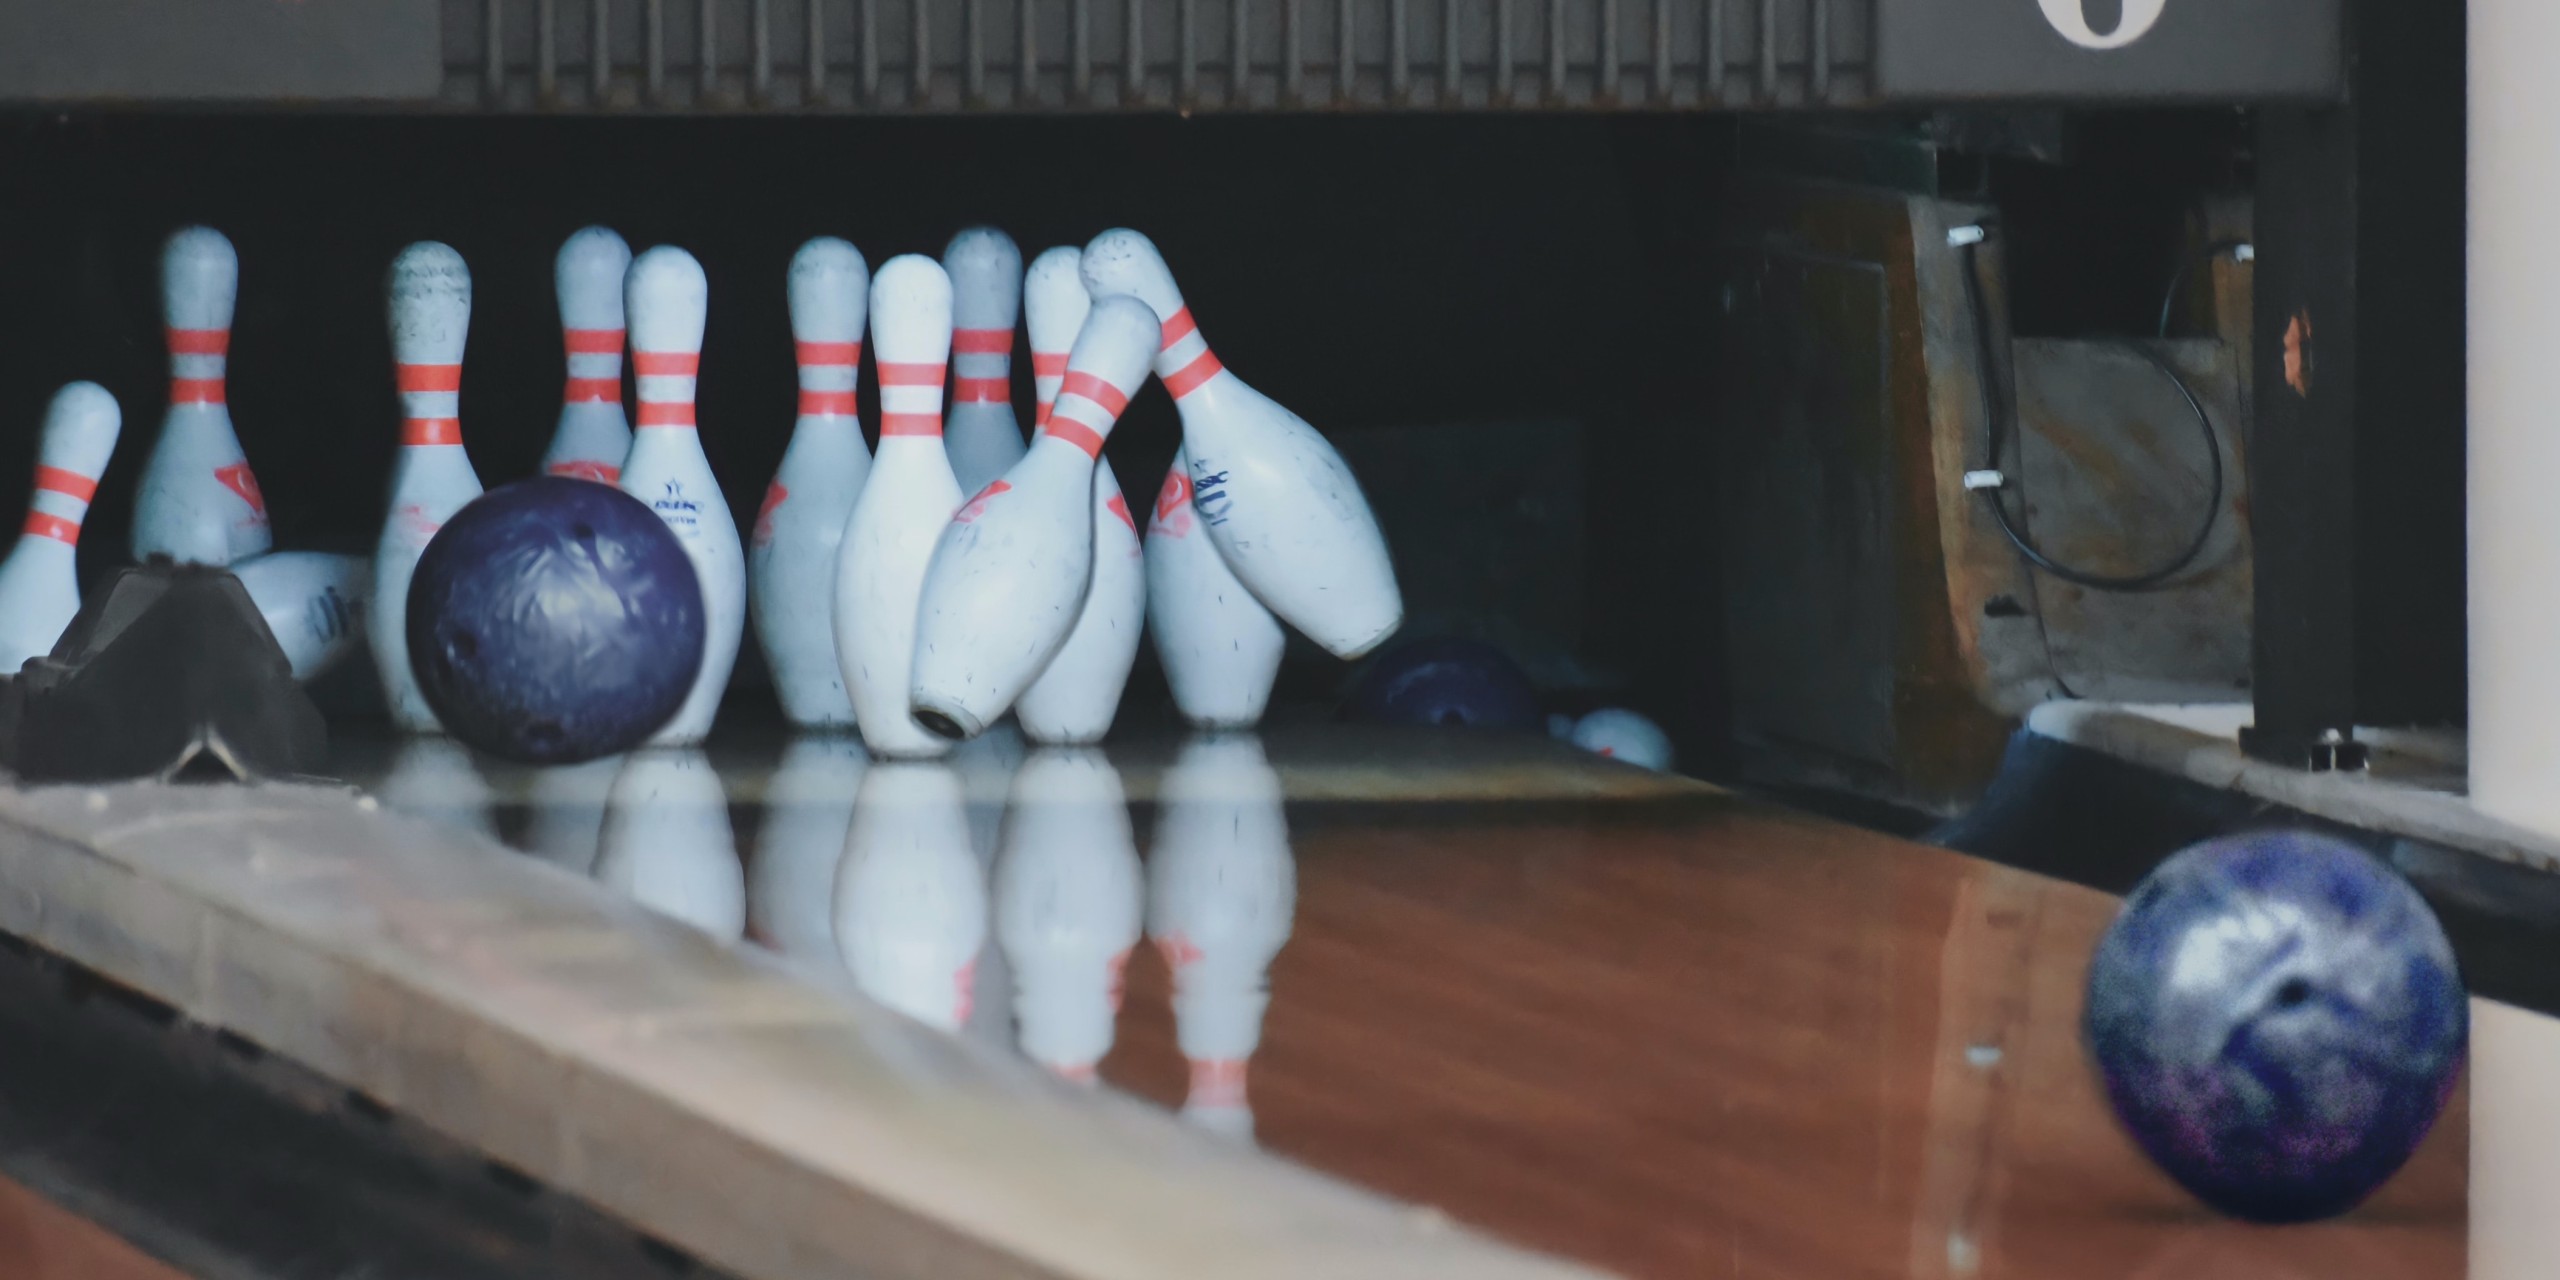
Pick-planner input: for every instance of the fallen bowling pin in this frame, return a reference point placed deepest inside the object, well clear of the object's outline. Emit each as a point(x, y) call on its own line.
point(1008, 577)
point(431, 478)
point(1275, 496)
point(984, 437)
point(314, 601)
point(1220, 647)
point(198, 502)
point(1621, 734)
point(902, 510)
point(40, 581)
point(593, 435)
point(1077, 695)
point(791, 556)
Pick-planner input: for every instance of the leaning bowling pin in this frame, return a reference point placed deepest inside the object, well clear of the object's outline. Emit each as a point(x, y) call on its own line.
point(983, 436)
point(667, 843)
point(431, 478)
point(1076, 695)
point(1220, 647)
point(593, 436)
point(665, 295)
point(791, 558)
point(1008, 578)
point(902, 510)
point(1277, 499)
point(40, 581)
point(1068, 903)
point(910, 897)
point(808, 809)
point(1222, 894)
point(314, 601)
point(198, 502)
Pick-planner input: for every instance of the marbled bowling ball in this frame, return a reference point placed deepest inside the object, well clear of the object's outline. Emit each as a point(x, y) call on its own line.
point(1445, 681)
point(2278, 1020)
point(553, 621)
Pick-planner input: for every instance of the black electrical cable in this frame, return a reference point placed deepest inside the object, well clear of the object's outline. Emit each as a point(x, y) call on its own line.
point(1996, 438)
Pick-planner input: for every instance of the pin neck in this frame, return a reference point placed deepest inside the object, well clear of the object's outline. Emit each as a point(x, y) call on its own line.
point(60, 503)
point(430, 404)
point(983, 364)
point(1185, 361)
point(666, 381)
point(829, 371)
point(595, 366)
point(910, 398)
point(1048, 370)
point(198, 361)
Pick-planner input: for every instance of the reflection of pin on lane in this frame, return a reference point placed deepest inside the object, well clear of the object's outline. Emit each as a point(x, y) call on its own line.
point(791, 558)
point(1221, 897)
point(986, 765)
point(1068, 902)
point(667, 843)
point(808, 809)
point(198, 501)
point(431, 477)
point(593, 436)
point(1220, 648)
point(665, 296)
point(564, 816)
point(983, 436)
point(40, 581)
point(910, 898)
point(313, 601)
point(433, 778)
point(1279, 502)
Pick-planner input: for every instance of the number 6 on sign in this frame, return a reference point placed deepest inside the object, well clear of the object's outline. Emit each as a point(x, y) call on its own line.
point(2071, 18)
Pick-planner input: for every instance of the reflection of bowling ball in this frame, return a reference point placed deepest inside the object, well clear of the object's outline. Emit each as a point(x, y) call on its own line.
point(1446, 681)
point(555, 620)
point(2278, 1020)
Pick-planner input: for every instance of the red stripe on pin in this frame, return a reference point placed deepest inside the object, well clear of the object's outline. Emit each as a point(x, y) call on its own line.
point(422, 431)
point(46, 525)
point(594, 342)
point(1040, 413)
point(983, 390)
point(982, 342)
point(1075, 433)
point(1096, 390)
point(666, 364)
point(199, 342)
point(895, 374)
point(910, 424)
point(594, 391)
point(1048, 364)
point(586, 469)
point(665, 413)
point(195, 391)
point(1188, 378)
point(828, 352)
point(825, 404)
point(1178, 326)
point(429, 377)
point(70, 484)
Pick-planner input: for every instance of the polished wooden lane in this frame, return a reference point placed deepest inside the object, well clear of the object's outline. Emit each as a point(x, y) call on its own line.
point(41, 1240)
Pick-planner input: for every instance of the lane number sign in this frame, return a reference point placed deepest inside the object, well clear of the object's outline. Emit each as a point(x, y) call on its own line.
point(2071, 18)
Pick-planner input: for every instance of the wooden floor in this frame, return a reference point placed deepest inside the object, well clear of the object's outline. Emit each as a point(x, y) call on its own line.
point(1672, 1033)
point(41, 1240)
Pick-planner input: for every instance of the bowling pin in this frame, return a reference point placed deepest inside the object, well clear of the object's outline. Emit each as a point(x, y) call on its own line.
point(1075, 697)
point(432, 477)
point(199, 503)
point(665, 295)
point(40, 581)
point(1276, 498)
point(1621, 734)
point(1222, 893)
point(593, 435)
point(902, 509)
point(1220, 647)
point(983, 436)
point(911, 899)
point(435, 779)
point(315, 603)
point(667, 843)
point(808, 810)
point(1008, 577)
point(791, 559)
point(1068, 904)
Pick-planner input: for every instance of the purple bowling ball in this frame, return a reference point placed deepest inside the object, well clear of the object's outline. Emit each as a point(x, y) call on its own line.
point(1446, 681)
point(555, 620)
point(2278, 1019)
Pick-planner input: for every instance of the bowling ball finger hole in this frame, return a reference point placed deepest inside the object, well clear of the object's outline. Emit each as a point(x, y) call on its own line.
point(583, 532)
point(2294, 994)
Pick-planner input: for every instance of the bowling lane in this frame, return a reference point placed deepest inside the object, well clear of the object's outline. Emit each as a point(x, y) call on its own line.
point(41, 1240)
point(1619, 1017)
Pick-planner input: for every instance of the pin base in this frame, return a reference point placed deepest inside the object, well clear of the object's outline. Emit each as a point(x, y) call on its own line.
point(948, 722)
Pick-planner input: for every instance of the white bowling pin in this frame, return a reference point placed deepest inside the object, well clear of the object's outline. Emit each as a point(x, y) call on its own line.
point(1276, 497)
point(667, 843)
point(1222, 893)
point(665, 296)
point(1078, 693)
point(40, 581)
point(808, 810)
point(1008, 578)
point(1621, 734)
point(902, 509)
point(564, 811)
point(315, 603)
point(431, 478)
point(983, 436)
point(199, 503)
point(1068, 905)
point(1220, 647)
point(435, 779)
point(911, 899)
point(791, 559)
point(593, 435)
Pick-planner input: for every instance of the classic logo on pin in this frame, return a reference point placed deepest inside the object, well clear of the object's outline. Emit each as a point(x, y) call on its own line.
point(586, 469)
point(238, 479)
point(978, 505)
point(1119, 506)
point(330, 617)
point(1209, 496)
point(1173, 504)
point(681, 513)
point(2071, 19)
